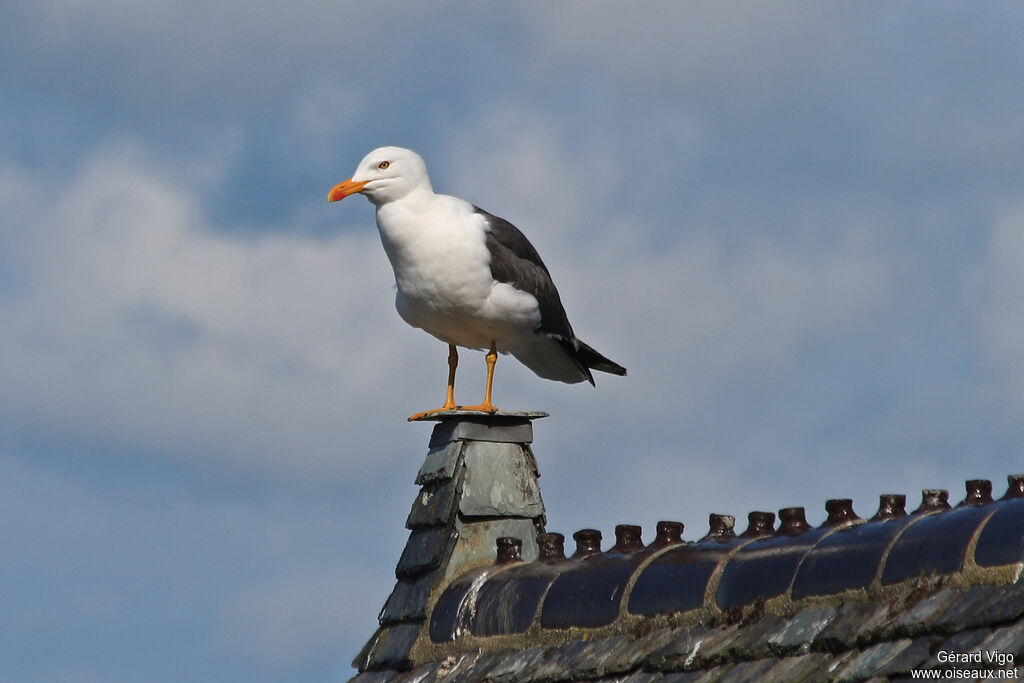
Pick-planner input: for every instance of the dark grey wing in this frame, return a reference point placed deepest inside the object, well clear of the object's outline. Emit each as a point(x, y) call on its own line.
point(514, 261)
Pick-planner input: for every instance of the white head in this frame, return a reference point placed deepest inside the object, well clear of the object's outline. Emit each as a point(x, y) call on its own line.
point(385, 175)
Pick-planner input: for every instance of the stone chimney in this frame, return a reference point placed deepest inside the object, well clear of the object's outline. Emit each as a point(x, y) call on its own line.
point(478, 483)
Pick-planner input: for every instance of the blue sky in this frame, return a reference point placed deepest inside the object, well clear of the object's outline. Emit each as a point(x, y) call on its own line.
point(799, 225)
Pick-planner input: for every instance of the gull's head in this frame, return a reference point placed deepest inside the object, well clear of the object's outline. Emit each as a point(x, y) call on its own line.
point(384, 175)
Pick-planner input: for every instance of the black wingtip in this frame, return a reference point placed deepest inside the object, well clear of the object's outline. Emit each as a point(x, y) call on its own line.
point(595, 361)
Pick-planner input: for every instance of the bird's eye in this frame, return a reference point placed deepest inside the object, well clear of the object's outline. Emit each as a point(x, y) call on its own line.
point(384, 164)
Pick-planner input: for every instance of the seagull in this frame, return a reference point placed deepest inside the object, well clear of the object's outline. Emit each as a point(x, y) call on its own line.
point(468, 277)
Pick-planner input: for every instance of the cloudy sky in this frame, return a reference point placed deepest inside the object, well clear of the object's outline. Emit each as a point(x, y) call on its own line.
point(799, 225)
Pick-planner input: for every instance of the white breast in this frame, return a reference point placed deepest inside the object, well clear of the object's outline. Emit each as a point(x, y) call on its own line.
point(437, 248)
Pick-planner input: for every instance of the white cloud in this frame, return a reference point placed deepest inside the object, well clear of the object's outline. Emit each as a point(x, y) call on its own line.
point(139, 324)
point(686, 46)
point(721, 314)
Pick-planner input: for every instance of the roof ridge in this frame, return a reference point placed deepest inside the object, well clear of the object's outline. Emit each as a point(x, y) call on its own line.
point(480, 502)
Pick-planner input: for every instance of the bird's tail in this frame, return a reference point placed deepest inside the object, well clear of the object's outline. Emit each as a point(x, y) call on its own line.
point(595, 361)
point(571, 367)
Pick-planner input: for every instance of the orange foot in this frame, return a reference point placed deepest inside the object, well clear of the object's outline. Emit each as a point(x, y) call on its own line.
point(427, 413)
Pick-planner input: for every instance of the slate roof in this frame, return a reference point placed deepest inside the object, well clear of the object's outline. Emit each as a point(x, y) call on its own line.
point(483, 593)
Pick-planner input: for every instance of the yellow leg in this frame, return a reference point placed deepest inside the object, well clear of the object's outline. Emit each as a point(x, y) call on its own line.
point(449, 400)
point(487, 406)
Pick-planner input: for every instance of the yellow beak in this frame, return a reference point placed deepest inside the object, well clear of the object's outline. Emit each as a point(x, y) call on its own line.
point(342, 190)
